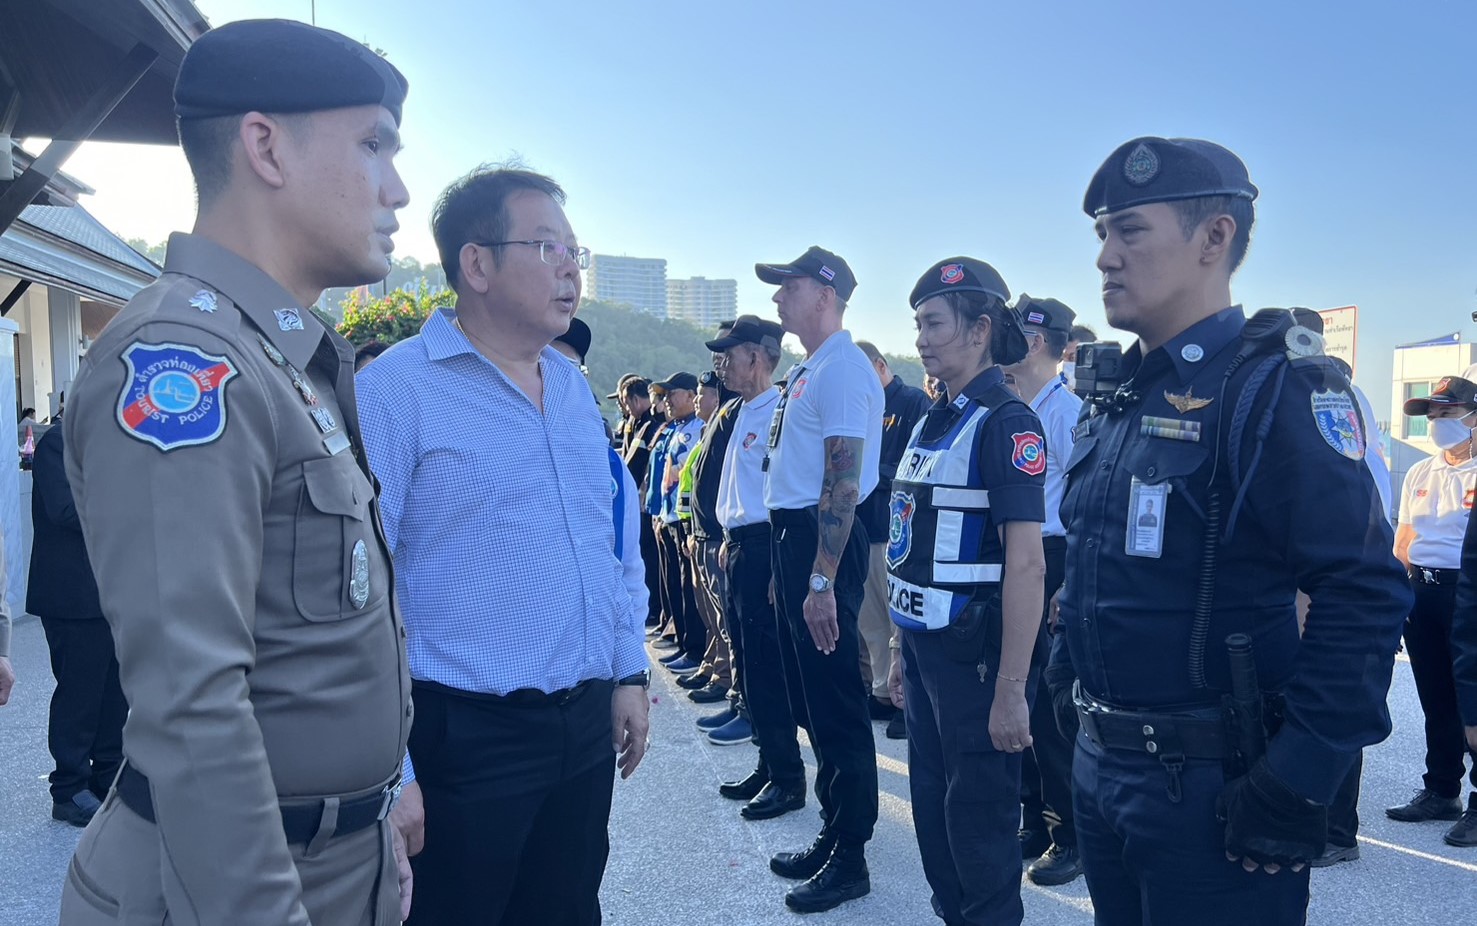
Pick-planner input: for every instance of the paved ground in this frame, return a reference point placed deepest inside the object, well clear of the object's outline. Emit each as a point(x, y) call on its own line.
point(681, 854)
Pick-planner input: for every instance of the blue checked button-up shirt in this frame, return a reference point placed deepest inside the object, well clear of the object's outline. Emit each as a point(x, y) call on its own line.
point(498, 517)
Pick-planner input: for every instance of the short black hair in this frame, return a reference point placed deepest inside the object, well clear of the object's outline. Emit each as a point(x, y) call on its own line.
point(1055, 338)
point(28, 412)
point(475, 208)
point(1083, 334)
point(367, 352)
point(207, 144)
point(1194, 212)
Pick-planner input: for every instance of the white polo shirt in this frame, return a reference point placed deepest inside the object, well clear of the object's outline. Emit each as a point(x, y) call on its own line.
point(1057, 407)
point(741, 486)
point(832, 393)
point(1435, 501)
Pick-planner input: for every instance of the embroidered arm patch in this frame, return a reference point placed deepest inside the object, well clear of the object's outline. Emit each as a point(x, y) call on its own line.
point(174, 396)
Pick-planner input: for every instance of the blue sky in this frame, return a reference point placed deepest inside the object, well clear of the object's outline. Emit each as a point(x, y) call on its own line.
point(721, 134)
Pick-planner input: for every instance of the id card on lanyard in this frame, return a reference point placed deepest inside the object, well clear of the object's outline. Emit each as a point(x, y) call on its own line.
point(794, 385)
point(1146, 512)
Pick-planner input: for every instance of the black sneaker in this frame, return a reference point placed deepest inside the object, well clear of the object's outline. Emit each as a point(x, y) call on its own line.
point(1464, 834)
point(78, 810)
point(897, 727)
point(1034, 843)
point(880, 709)
point(694, 681)
point(1057, 865)
point(1335, 854)
point(708, 694)
point(843, 878)
point(1426, 805)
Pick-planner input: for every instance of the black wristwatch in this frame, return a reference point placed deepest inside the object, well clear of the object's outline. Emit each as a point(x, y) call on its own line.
point(642, 678)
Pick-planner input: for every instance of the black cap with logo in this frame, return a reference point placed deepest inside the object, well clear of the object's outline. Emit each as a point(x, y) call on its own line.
point(967, 275)
point(677, 381)
point(816, 263)
point(749, 329)
point(1045, 313)
point(1160, 170)
point(1451, 391)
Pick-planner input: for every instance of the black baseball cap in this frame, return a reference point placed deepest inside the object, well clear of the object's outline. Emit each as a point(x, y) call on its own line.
point(959, 275)
point(1045, 313)
point(709, 380)
point(621, 384)
point(1452, 390)
point(1160, 170)
point(816, 263)
point(577, 337)
point(282, 66)
point(749, 329)
point(677, 381)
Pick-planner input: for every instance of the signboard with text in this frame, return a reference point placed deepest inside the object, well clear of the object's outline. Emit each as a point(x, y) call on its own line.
point(1340, 332)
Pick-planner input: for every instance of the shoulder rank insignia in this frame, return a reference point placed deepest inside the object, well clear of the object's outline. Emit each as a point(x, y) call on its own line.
point(174, 395)
point(1187, 402)
point(204, 300)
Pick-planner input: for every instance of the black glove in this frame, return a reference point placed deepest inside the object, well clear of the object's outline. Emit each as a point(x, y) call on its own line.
point(1267, 822)
point(1059, 679)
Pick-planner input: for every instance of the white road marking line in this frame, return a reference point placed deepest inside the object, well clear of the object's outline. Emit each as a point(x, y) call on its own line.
point(1465, 866)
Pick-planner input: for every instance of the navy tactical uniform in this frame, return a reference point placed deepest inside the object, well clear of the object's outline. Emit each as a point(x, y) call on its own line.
point(1223, 476)
point(975, 461)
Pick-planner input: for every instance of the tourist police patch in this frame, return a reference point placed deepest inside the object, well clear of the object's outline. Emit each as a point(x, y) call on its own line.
point(174, 396)
point(1029, 454)
point(1338, 421)
point(900, 527)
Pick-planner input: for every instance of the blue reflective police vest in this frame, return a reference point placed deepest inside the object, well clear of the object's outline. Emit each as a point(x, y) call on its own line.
point(618, 502)
point(939, 513)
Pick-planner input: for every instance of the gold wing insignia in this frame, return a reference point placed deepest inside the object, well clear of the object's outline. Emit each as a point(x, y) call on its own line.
point(1187, 402)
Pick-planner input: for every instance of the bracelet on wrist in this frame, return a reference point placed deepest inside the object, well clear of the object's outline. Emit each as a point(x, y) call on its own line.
point(1009, 678)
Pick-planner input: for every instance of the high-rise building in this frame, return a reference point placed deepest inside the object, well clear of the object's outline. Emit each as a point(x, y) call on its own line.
point(701, 301)
point(639, 282)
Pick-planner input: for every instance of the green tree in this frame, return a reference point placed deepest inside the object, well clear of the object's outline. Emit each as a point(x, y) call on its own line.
point(154, 252)
point(391, 317)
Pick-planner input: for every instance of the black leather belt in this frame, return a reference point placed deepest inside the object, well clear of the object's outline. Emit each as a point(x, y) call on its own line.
point(1423, 575)
point(300, 822)
point(1200, 735)
point(748, 533)
point(523, 697)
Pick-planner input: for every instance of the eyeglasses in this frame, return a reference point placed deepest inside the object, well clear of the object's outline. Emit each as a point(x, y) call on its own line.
point(552, 253)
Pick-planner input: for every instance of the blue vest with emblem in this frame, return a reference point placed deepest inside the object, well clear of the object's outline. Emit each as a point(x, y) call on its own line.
point(939, 515)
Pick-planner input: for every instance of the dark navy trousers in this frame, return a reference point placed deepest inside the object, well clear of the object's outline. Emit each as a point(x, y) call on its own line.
point(966, 794)
point(1151, 861)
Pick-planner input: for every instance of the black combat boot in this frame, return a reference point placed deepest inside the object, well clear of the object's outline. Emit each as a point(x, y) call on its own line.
point(805, 863)
point(843, 878)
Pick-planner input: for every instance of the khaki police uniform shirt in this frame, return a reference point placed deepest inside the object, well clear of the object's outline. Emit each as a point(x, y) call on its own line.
point(235, 536)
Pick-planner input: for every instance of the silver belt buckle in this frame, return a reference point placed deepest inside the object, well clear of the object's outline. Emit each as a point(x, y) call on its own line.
point(1428, 576)
point(391, 797)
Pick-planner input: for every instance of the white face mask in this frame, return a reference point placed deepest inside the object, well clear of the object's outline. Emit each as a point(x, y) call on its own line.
point(1069, 369)
point(1449, 433)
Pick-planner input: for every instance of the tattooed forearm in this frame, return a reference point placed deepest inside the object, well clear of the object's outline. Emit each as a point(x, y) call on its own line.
point(840, 494)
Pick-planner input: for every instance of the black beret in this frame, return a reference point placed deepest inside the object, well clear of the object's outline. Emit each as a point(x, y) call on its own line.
point(958, 275)
point(1045, 313)
point(282, 66)
point(1160, 170)
point(577, 337)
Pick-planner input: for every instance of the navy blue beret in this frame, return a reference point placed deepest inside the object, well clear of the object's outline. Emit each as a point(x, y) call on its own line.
point(1161, 170)
point(958, 275)
point(282, 66)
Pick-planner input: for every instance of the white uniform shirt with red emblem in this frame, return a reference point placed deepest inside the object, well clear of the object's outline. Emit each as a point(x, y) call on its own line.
point(1435, 501)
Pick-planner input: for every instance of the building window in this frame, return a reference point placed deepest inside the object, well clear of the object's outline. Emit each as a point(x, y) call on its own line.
point(1416, 425)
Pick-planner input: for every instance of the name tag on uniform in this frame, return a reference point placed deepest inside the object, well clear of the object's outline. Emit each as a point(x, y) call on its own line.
point(1146, 511)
